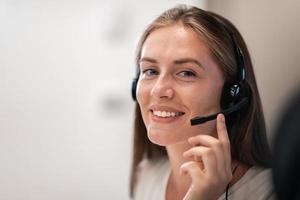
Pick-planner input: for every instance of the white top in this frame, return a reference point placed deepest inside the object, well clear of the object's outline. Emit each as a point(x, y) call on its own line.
point(152, 178)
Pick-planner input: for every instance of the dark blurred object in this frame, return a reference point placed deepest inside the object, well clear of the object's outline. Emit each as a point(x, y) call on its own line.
point(286, 152)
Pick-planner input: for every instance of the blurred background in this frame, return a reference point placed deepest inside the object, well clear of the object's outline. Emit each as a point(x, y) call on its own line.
point(66, 113)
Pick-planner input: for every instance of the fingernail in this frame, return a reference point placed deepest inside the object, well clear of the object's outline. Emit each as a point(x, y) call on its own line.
point(222, 118)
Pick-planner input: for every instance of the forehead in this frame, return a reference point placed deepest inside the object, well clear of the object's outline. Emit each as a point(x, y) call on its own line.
point(174, 41)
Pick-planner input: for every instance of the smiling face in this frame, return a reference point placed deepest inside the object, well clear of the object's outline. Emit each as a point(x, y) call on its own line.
point(178, 81)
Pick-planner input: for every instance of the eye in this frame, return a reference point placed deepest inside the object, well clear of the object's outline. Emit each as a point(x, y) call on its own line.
point(187, 74)
point(147, 73)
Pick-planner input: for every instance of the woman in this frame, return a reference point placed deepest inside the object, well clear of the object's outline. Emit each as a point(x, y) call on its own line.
point(191, 63)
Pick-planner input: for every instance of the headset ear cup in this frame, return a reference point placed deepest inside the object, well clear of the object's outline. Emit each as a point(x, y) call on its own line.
point(235, 91)
point(225, 97)
point(133, 88)
point(231, 94)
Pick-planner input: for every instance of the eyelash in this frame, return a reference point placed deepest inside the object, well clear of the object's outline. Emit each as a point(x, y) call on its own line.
point(144, 72)
point(183, 74)
point(188, 73)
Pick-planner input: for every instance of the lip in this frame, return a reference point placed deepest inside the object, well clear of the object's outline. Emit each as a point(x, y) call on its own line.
point(164, 108)
point(164, 120)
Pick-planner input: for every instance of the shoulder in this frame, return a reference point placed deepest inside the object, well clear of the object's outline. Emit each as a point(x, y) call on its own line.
point(152, 176)
point(256, 184)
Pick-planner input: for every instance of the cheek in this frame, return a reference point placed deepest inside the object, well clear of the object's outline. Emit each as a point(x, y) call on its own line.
point(142, 95)
point(205, 100)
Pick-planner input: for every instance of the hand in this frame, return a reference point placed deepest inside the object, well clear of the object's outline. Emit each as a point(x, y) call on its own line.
point(210, 168)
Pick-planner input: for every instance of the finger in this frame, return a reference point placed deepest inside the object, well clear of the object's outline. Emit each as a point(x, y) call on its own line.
point(191, 168)
point(210, 162)
point(222, 129)
point(199, 161)
point(202, 140)
point(210, 165)
point(206, 155)
point(224, 139)
point(221, 153)
point(195, 151)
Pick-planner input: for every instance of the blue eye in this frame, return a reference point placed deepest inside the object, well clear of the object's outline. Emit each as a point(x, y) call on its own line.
point(149, 72)
point(187, 74)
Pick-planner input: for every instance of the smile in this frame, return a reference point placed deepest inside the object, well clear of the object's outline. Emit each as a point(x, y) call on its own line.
point(166, 114)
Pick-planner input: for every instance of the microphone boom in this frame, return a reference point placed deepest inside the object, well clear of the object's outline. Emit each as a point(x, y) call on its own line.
point(200, 120)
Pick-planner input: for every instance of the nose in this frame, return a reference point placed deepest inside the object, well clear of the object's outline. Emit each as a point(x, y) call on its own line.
point(163, 88)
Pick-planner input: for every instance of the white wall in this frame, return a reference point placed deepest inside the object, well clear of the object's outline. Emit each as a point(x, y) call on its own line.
point(65, 108)
point(65, 74)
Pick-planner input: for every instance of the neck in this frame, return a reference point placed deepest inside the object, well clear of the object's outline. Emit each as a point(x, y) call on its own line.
point(178, 183)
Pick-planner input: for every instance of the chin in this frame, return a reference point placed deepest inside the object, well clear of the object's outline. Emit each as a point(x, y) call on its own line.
point(166, 138)
point(169, 135)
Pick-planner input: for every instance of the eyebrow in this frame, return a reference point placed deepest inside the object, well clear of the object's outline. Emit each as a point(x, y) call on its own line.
point(147, 59)
point(179, 61)
point(188, 60)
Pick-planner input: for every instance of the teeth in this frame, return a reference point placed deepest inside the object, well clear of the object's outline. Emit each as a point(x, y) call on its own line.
point(166, 113)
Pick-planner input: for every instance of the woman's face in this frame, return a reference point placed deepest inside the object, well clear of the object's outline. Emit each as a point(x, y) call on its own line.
point(178, 81)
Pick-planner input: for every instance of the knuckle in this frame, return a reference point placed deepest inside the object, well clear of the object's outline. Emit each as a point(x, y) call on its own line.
point(226, 145)
point(218, 145)
point(190, 164)
point(209, 152)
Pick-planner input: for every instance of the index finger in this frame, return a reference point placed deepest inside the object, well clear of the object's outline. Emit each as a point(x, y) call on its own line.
point(224, 139)
point(221, 129)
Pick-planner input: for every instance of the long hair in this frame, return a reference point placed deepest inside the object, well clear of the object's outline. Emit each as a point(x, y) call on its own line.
point(247, 128)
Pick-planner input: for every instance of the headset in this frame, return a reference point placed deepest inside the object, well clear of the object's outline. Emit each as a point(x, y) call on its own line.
point(235, 95)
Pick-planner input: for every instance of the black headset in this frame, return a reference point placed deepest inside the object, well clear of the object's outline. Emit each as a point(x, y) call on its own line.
point(134, 86)
point(234, 95)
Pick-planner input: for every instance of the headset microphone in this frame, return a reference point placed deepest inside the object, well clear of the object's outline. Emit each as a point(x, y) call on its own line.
point(200, 120)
